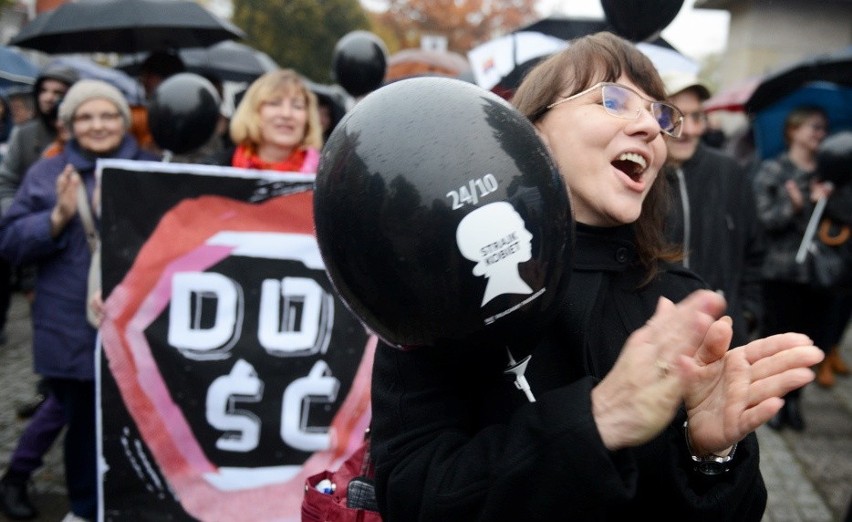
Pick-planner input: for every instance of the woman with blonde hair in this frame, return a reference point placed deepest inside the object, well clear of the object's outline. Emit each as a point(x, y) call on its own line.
point(276, 125)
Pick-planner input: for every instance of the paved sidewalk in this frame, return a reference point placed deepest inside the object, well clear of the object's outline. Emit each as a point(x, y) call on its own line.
point(809, 474)
point(17, 386)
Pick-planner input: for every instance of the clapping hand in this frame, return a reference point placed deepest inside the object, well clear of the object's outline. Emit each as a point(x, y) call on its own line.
point(641, 394)
point(67, 185)
point(730, 393)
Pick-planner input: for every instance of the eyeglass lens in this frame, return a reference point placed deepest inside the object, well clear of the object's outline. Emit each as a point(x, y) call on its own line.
point(624, 103)
point(85, 119)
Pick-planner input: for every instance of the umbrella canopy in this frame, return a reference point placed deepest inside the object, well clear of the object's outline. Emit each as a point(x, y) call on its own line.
point(124, 26)
point(500, 64)
point(768, 123)
point(15, 69)
point(497, 59)
point(227, 60)
point(833, 67)
point(86, 68)
point(733, 98)
point(667, 60)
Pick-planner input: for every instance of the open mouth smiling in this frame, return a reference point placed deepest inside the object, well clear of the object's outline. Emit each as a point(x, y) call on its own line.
point(632, 164)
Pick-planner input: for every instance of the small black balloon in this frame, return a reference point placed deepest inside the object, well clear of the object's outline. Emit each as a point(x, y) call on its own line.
point(359, 62)
point(441, 217)
point(640, 20)
point(834, 158)
point(183, 112)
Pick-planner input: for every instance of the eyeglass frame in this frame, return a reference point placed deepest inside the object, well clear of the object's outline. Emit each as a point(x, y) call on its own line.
point(601, 85)
point(90, 119)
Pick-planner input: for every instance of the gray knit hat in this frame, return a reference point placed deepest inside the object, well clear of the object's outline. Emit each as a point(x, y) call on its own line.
point(85, 90)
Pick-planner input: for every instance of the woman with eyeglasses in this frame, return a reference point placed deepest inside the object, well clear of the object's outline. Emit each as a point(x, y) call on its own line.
point(640, 408)
point(43, 227)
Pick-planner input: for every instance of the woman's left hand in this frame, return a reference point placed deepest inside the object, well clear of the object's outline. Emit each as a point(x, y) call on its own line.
point(730, 393)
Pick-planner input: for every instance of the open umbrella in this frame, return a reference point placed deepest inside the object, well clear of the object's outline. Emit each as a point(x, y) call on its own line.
point(500, 64)
point(15, 69)
point(87, 68)
point(768, 122)
point(495, 60)
point(124, 26)
point(824, 80)
point(734, 97)
point(833, 67)
point(227, 60)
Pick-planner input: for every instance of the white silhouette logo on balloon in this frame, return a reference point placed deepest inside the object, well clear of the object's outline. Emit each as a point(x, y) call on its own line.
point(496, 237)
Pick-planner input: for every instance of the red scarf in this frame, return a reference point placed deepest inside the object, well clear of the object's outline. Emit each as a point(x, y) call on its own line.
point(246, 158)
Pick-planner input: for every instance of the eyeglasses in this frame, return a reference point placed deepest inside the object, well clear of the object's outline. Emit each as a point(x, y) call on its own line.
point(88, 119)
point(623, 102)
point(698, 117)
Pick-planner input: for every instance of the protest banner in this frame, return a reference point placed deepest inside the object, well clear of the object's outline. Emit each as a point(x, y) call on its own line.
point(229, 370)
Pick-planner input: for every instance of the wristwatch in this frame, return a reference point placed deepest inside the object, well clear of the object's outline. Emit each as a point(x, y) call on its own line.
point(708, 464)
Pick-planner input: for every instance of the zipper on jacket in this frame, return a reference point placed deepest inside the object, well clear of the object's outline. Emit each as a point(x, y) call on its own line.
point(684, 201)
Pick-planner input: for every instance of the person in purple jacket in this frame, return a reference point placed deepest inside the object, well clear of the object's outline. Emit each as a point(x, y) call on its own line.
point(42, 227)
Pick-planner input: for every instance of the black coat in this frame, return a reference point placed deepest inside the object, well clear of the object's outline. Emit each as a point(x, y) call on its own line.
point(724, 242)
point(454, 440)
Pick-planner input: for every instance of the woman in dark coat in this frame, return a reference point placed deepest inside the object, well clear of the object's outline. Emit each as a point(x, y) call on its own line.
point(42, 227)
point(640, 408)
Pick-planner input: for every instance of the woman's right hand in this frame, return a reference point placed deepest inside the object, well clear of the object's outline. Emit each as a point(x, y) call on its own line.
point(639, 397)
point(67, 185)
point(821, 189)
point(796, 196)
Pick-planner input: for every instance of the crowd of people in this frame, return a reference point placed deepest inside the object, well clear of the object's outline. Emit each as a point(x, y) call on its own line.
point(689, 322)
point(49, 165)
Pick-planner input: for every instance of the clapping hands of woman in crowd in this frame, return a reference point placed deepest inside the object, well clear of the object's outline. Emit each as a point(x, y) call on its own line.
point(641, 407)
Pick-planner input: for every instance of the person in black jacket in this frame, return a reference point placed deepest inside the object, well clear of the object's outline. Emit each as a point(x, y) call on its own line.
point(712, 213)
point(640, 408)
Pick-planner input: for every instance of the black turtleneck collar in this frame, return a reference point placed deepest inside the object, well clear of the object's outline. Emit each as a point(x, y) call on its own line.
point(604, 248)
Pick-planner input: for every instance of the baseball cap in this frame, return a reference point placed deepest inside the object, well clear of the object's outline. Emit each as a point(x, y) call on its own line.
point(678, 81)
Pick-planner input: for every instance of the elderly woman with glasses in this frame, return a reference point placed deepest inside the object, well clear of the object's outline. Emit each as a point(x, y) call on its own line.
point(640, 408)
point(43, 227)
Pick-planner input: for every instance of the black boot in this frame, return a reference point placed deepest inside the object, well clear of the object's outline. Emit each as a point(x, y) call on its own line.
point(794, 414)
point(14, 500)
point(28, 409)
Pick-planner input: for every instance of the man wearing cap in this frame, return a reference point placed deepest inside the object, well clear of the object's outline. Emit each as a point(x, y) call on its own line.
point(712, 211)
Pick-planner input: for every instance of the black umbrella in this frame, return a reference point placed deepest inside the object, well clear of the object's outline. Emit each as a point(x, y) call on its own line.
point(124, 26)
point(833, 68)
point(227, 61)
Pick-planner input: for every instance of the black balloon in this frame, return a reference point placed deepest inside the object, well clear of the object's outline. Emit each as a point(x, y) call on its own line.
point(834, 158)
point(183, 112)
point(441, 218)
point(359, 62)
point(640, 20)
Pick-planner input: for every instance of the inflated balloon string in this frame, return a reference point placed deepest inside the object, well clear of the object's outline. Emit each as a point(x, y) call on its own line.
point(517, 369)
